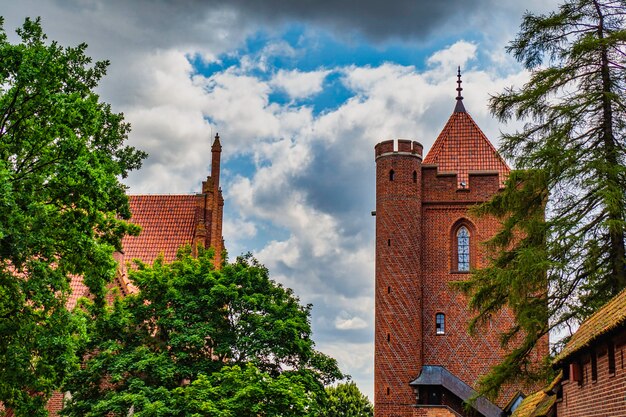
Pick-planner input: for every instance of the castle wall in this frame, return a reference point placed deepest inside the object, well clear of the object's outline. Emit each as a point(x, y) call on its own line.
point(603, 396)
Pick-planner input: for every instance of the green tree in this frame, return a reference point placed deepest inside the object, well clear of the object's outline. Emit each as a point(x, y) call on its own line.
point(345, 400)
point(197, 341)
point(571, 157)
point(62, 207)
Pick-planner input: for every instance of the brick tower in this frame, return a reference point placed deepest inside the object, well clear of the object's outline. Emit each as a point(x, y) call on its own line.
point(426, 364)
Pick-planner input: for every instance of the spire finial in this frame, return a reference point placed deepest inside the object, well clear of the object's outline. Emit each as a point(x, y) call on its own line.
point(458, 82)
point(217, 146)
point(459, 108)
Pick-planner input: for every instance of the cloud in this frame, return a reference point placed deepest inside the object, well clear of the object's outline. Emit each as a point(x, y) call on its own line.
point(299, 84)
point(457, 54)
point(350, 323)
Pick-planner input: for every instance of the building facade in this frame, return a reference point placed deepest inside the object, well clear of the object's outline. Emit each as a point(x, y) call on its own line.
point(426, 363)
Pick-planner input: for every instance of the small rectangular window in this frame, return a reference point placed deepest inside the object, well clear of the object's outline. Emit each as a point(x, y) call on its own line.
point(440, 323)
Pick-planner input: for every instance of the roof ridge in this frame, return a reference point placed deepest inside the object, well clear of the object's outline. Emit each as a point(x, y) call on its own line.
point(607, 318)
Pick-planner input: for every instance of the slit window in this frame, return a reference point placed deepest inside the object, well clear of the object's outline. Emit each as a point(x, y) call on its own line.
point(463, 249)
point(392, 175)
point(594, 366)
point(414, 176)
point(611, 349)
point(440, 323)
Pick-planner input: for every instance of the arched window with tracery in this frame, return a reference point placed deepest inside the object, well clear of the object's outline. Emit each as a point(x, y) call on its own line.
point(463, 249)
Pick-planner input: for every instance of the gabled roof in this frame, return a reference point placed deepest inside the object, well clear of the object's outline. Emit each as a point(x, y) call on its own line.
point(609, 317)
point(167, 222)
point(540, 403)
point(463, 148)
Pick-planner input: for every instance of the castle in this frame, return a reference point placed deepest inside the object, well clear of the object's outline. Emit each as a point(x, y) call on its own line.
point(425, 362)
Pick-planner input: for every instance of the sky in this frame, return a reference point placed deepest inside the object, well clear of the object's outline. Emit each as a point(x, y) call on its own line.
point(300, 91)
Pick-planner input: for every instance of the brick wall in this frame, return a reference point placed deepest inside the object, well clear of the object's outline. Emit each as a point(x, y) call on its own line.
point(604, 397)
point(398, 354)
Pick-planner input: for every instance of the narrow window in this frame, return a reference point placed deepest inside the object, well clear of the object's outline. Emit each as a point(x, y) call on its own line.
point(388, 242)
point(576, 372)
point(414, 176)
point(611, 348)
point(388, 391)
point(594, 367)
point(392, 175)
point(463, 249)
point(388, 290)
point(440, 323)
point(388, 337)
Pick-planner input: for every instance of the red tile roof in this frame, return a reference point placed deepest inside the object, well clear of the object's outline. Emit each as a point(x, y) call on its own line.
point(167, 222)
point(463, 148)
point(79, 289)
point(609, 317)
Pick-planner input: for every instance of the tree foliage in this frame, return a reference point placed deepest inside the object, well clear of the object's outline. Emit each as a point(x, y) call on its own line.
point(62, 207)
point(570, 154)
point(197, 341)
point(345, 400)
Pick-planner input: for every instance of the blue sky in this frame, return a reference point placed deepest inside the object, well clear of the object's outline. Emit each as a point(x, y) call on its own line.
point(300, 92)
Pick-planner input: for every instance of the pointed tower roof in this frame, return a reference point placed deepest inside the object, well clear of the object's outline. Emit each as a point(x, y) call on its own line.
point(463, 148)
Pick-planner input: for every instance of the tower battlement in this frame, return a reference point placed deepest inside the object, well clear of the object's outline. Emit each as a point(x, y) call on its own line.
point(440, 186)
point(399, 147)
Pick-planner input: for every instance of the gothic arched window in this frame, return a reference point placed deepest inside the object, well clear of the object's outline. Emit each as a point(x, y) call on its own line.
point(463, 249)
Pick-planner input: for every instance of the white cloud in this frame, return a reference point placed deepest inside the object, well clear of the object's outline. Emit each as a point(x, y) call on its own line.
point(457, 54)
point(298, 84)
point(351, 323)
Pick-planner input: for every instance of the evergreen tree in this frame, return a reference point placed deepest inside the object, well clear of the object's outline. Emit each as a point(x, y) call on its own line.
point(194, 341)
point(62, 207)
point(560, 254)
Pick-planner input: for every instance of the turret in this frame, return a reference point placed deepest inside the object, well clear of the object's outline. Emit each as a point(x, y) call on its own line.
point(216, 152)
point(398, 353)
point(210, 208)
